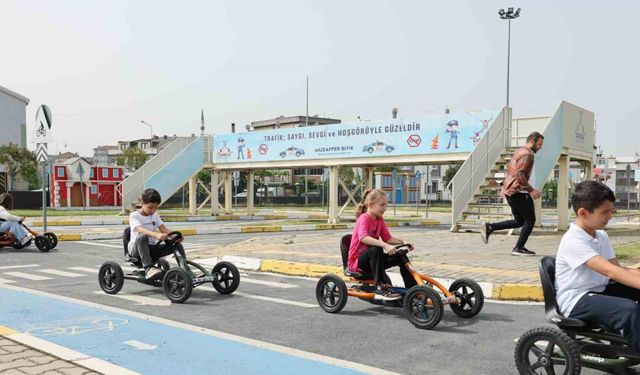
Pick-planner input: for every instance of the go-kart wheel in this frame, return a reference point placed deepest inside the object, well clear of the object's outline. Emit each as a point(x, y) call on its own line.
point(423, 306)
point(18, 245)
point(177, 285)
point(164, 265)
point(43, 244)
point(227, 277)
point(111, 277)
point(549, 350)
point(331, 293)
point(470, 295)
point(53, 239)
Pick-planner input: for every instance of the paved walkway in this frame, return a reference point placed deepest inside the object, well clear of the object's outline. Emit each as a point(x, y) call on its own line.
point(19, 359)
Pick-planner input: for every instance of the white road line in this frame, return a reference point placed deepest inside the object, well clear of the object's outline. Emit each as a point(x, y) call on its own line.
point(140, 345)
point(22, 266)
point(140, 300)
point(6, 281)
point(210, 332)
point(61, 273)
point(27, 276)
point(267, 299)
point(99, 244)
point(267, 283)
point(84, 269)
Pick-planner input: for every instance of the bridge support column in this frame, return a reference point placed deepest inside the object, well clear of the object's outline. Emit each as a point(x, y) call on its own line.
point(250, 175)
point(333, 194)
point(214, 192)
point(563, 194)
point(368, 178)
point(228, 193)
point(192, 196)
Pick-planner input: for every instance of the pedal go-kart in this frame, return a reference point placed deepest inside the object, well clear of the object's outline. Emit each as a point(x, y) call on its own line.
point(177, 282)
point(44, 242)
point(573, 344)
point(423, 303)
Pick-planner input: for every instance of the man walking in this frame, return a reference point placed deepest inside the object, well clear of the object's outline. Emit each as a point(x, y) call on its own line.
point(519, 194)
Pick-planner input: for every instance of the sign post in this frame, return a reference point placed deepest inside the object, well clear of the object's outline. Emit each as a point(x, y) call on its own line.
point(427, 190)
point(42, 136)
point(418, 183)
point(394, 177)
point(80, 171)
point(628, 190)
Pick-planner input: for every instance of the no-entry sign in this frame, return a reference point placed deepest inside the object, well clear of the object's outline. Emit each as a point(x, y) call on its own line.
point(414, 140)
point(263, 149)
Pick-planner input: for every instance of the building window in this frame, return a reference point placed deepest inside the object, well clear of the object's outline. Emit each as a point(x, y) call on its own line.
point(116, 172)
point(60, 171)
point(387, 181)
point(105, 172)
point(312, 171)
point(91, 173)
point(94, 189)
point(413, 181)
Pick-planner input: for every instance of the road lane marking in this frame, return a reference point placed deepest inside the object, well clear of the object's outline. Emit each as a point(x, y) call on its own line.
point(140, 300)
point(100, 244)
point(140, 345)
point(267, 299)
point(22, 266)
point(84, 269)
point(27, 276)
point(6, 281)
point(61, 273)
point(267, 283)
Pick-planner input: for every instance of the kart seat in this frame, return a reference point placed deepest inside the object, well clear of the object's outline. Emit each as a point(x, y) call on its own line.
point(547, 269)
point(345, 243)
point(126, 237)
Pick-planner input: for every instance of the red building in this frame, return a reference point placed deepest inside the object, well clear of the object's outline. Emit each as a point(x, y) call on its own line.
point(75, 181)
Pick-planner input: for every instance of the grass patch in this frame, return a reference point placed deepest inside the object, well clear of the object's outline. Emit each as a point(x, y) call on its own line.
point(629, 250)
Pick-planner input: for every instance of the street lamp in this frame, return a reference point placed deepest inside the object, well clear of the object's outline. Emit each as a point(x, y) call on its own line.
point(150, 127)
point(509, 15)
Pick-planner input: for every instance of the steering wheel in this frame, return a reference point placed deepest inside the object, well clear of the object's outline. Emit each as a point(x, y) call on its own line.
point(402, 249)
point(173, 238)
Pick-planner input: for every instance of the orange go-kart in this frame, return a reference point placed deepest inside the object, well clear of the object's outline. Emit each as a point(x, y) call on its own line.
point(423, 303)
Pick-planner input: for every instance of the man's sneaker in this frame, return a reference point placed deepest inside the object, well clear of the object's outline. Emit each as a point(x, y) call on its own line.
point(522, 252)
point(485, 231)
point(386, 295)
point(25, 240)
point(152, 273)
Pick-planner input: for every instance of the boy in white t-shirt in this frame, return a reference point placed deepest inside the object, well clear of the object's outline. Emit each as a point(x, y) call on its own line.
point(147, 229)
point(591, 285)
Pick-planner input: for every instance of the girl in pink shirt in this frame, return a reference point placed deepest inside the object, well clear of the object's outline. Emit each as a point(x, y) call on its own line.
point(372, 247)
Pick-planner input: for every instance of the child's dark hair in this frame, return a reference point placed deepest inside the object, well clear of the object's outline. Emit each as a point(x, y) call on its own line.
point(6, 201)
point(590, 195)
point(151, 196)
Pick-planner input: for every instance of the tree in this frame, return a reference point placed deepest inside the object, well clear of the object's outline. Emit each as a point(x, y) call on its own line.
point(19, 162)
point(132, 158)
point(448, 175)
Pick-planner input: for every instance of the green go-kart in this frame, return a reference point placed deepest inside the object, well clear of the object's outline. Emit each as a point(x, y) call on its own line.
point(177, 282)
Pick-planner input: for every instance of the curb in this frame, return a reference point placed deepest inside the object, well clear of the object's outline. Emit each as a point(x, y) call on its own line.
point(244, 229)
point(64, 354)
point(502, 292)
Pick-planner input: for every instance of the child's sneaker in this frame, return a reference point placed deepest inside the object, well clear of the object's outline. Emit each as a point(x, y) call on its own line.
point(152, 273)
point(386, 295)
point(25, 240)
point(522, 252)
point(485, 232)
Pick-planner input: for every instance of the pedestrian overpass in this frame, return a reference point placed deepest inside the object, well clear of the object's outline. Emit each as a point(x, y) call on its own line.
point(481, 141)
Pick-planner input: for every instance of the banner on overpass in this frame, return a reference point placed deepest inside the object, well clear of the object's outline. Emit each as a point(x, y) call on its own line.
point(450, 133)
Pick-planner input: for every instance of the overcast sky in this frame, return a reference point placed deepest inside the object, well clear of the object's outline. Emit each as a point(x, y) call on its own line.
point(103, 66)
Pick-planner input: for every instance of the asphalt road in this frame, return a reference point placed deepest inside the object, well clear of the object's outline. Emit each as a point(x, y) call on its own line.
point(283, 310)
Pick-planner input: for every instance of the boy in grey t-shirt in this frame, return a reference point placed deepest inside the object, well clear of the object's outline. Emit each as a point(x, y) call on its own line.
point(586, 265)
point(147, 229)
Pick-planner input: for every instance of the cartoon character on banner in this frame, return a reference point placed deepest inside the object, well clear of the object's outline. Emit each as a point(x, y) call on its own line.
point(454, 131)
point(477, 136)
point(241, 145)
point(224, 151)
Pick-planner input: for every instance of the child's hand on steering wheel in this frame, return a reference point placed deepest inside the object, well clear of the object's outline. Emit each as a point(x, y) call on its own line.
point(411, 246)
point(163, 236)
point(390, 249)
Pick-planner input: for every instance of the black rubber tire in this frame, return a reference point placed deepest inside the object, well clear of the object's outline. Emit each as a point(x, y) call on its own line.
point(18, 245)
point(471, 296)
point(370, 150)
point(164, 265)
point(227, 277)
point(331, 293)
point(53, 239)
point(42, 243)
point(177, 285)
point(567, 362)
point(419, 312)
point(298, 154)
point(111, 277)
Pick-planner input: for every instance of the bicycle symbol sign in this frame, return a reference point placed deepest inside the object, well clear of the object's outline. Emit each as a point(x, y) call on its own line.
point(78, 327)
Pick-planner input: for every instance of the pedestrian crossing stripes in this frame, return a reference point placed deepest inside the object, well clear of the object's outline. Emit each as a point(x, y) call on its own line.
point(27, 276)
point(61, 273)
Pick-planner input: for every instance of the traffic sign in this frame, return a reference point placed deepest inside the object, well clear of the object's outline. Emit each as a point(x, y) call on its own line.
point(41, 153)
point(414, 140)
point(263, 149)
point(42, 126)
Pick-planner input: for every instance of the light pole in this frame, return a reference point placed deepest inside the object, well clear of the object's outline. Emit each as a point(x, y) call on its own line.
point(150, 127)
point(508, 15)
